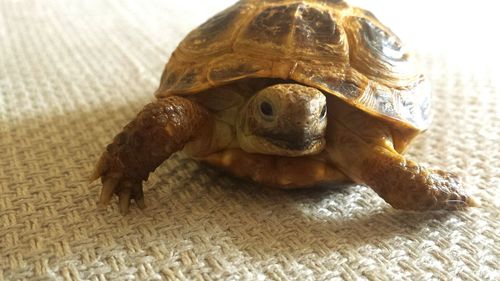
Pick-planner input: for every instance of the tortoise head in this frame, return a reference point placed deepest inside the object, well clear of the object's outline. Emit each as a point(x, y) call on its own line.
point(283, 119)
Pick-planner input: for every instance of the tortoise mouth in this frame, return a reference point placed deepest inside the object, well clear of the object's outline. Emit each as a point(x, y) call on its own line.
point(282, 145)
point(294, 143)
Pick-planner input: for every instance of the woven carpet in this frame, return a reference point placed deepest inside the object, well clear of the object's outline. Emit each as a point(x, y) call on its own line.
point(72, 73)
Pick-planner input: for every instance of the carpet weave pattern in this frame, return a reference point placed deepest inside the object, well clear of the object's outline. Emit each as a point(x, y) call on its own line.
point(72, 73)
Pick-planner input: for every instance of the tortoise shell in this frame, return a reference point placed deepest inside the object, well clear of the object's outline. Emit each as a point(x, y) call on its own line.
point(342, 50)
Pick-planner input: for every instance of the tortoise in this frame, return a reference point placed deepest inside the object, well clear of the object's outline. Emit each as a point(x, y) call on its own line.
point(289, 94)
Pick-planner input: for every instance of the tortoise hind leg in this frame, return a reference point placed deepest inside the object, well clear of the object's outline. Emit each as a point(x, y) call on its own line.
point(160, 129)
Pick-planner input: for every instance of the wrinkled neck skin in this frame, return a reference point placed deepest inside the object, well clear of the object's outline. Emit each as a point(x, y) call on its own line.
point(283, 120)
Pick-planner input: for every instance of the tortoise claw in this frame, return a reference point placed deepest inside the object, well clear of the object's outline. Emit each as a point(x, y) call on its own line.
point(114, 180)
point(140, 203)
point(461, 204)
point(108, 188)
point(124, 200)
point(138, 195)
point(126, 190)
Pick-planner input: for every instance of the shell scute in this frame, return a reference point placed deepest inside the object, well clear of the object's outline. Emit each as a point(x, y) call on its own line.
point(271, 25)
point(341, 50)
point(316, 31)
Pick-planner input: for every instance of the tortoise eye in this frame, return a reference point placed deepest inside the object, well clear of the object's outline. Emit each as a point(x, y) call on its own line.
point(266, 109)
point(323, 112)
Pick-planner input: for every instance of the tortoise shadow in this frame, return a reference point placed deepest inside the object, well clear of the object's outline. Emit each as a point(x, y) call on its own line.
point(297, 222)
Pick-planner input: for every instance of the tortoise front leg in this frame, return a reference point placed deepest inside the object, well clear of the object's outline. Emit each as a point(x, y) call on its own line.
point(160, 129)
point(361, 147)
point(400, 182)
point(407, 185)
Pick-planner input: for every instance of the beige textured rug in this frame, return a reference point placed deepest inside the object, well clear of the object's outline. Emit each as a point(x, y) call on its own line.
point(72, 73)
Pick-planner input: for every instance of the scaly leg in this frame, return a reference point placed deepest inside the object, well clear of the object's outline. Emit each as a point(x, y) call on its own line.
point(361, 147)
point(160, 129)
point(407, 185)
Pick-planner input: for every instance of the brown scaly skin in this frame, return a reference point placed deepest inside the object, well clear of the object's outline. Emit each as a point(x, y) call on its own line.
point(361, 147)
point(160, 129)
point(406, 185)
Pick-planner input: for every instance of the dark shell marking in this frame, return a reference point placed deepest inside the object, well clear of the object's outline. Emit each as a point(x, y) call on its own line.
point(348, 89)
point(379, 41)
point(272, 25)
point(214, 29)
point(315, 29)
